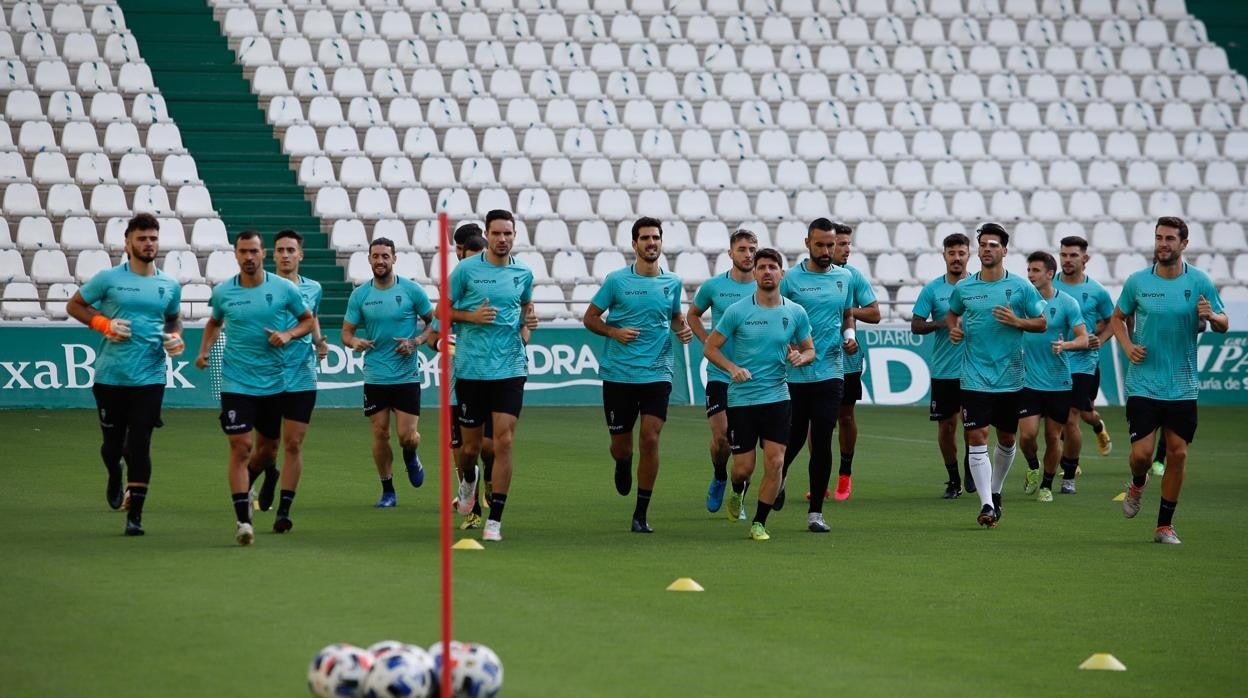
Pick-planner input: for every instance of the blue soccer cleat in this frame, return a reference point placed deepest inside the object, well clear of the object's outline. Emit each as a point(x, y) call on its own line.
point(388, 500)
point(415, 471)
point(715, 495)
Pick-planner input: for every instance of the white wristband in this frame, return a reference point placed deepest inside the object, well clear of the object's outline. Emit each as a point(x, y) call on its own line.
point(851, 334)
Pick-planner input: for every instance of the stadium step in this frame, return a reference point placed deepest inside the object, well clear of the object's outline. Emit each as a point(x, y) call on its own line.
point(1226, 24)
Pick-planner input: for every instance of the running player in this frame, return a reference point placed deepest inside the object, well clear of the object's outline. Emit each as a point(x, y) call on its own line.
point(825, 292)
point(1169, 300)
point(382, 320)
point(865, 309)
point(719, 292)
point(253, 366)
point(491, 299)
point(135, 306)
point(996, 308)
point(1097, 307)
point(642, 305)
point(764, 329)
point(1047, 382)
point(946, 362)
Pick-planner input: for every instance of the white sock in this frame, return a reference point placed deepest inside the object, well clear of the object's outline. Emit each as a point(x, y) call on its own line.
point(981, 471)
point(1002, 459)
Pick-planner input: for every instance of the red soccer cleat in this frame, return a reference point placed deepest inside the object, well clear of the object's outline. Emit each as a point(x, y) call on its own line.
point(844, 486)
point(827, 494)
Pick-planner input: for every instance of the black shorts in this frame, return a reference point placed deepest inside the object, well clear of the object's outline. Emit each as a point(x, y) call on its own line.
point(815, 402)
point(1050, 404)
point(297, 405)
point(241, 413)
point(749, 424)
point(946, 399)
point(457, 436)
point(131, 406)
point(621, 402)
point(999, 410)
point(480, 399)
point(1145, 415)
point(716, 397)
point(853, 389)
point(1084, 390)
point(404, 397)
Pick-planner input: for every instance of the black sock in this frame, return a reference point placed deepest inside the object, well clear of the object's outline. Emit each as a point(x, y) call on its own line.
point(408, 455)
point(1165, 513)
point(1161, 451)
point(1069, 467)
point(283, 504)
point(1033, 462)
point(387, 485)
point(760, 515)
point(1098, 427)
point(738, 487)
point(138, 495)
point(242, 507)
point(1139, 480)
point(476, 501)
point(643, 504)
point(847, 464)
point(487, 466)
point(952, 469)
point(497, 502)
point(720, 466)
point(1046, 482)
point(252, 476)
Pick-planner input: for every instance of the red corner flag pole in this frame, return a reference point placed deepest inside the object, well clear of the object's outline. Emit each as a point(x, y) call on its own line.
point(444, 419)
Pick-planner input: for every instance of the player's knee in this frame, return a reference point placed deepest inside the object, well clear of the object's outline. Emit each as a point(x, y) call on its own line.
point(409, 440)
point(381, 433)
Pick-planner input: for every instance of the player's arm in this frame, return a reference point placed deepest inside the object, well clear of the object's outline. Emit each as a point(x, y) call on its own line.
point(953, 322)
point(1079, 343)
point(116, 330)
point(683, 331)
point(712, 350)
point(280, 338)
point(804, 354)
point(594, 323)
point(849, 332)
point(351, 341)
point(693, 318)
point(212, 331)
point(1135, 352)
point(1100, 337)
point(318, 338)
point(423, 337)
point(1005, 315)
point(528, 318)
point(921, 325)
point(869, 314)
point(1218, 322)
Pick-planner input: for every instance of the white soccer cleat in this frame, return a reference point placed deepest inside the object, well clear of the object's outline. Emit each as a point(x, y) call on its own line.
point(244, 534)
point(463, 502)
point(1131, 501)
point(493, 531)
point(1166, 535)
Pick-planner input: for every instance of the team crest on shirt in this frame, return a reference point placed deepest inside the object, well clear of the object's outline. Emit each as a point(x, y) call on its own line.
point(1052, 312)
point(1187, 294)
point(268, 298)
point(398, 300)
point(161, 292)
point(667, 292)
point(515, 281)
point(1008, 292)
point(840, 286)
point(785, 322)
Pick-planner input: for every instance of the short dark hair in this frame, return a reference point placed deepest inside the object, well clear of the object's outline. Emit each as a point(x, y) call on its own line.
point(1173, 222)
point(476, 243)
point(466, 231)
point(993, 229)
point(768, 253)
point(842, 228)
point(142, 221)
point(646, 222)
point(288, 233)
point(956, 240)
point(498, 214)
point(248, 235)
point(1044, 258)
point(820, 224)
point(1075, 241)
point(386, 242)
point(742, 234)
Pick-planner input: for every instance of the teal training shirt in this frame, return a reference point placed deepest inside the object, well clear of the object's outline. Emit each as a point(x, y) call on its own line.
point(1096, 305)
point(249, 364)
point(1165, 325)
point(380, 315)
point(864, 295)
point(145, 301)
point(1045, 370)
point(717, 294)
point(993, 358)
point(494, 351)
point(761, 337)
point(646, 303)
point(301, 354)
point(825, 296)
point(933, 303)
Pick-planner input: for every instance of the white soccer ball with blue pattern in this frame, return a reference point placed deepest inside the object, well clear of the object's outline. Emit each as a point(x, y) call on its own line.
point(338, 671)
point(381, 649)
point(476, 672)
point(401, 673)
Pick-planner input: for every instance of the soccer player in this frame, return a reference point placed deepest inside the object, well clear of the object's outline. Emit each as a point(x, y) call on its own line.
point(135, 306)
point(491, 299)
point(865, 309)
point(1047, 381)
point(253, 366)
point(946, 362)
point(764, 329)
point(382, 320)
point(996, 308)
point(641, 303)
point(1169, 300)
point(716, 295)
point(825, 292)
point(1097, 307)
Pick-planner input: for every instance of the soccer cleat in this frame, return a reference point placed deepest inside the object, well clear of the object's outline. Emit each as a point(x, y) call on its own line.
point(1045, 495)
point(827, 494)
point(472, 520)
point(953, 490)
point(623, 478)
point(736, 506)
point(1068, 486)
point(467, 492)
point(133, 528)
point(282, 524)
point(1103, 443)
point(113, 490)
point(715, 495)
point(780, 498)
point(844, 486)
point(388, 500)
point(244, 534)
point(1031, 482)
point(252, 501)
point(758, 532)
point(986, 514)
point(1166, 534)
point(415, 470)
point(493, 530)
point(969, 482)
point(816, 524)
point(743, 515)
point(1159, 468)
point(641, 527)
point(996, 508)
point(271, 477)
point(1131, 500)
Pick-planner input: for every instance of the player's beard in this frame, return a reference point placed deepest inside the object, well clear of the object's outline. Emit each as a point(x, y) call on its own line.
point(142, 257)
point(1169, 258)
point(822, 261)
point(650, 254)
point(956, 268)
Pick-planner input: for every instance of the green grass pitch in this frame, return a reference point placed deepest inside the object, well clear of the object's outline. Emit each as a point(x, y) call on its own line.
point(906, 595)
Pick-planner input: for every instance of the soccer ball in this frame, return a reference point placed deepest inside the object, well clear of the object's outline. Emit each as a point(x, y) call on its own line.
point(338, 671)
point(381, 649)
point(401, 673)
point(476, 670)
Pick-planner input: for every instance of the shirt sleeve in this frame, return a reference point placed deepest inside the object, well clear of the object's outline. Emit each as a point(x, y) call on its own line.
point(175, 300)
point(864, 295)
point(955, 301)
point(317, 295)
point(1074, 316)
point(605, 293)
point(729, 322)
point(702, 299)
point(459, 287)
point(923, 305)
point(354, 304)
point(526, 293)
point(1104, 306)
point(801, 326)
point(214, 302)
point(676, 288)
point(93, 291)
point(1033, 303)
point(420, 300)
point(1126, 299)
